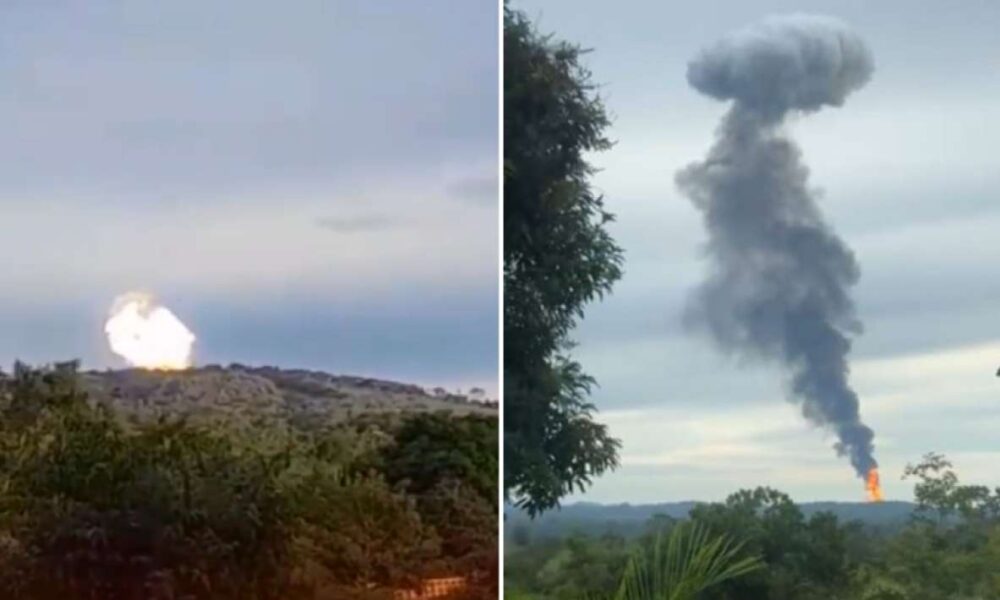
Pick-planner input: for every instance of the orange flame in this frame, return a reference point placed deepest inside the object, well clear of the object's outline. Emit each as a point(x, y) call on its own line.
point(873, 486)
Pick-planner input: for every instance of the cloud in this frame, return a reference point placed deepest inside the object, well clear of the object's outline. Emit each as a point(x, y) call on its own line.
point(357, 224)
point(151, 99)
point(482, 190)
point(257, 245)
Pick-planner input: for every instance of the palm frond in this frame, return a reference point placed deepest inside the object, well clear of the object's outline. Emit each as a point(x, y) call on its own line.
point(682, 564)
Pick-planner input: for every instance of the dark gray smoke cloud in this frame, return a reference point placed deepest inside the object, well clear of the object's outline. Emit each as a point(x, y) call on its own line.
point(780, 280)
point(799, 62)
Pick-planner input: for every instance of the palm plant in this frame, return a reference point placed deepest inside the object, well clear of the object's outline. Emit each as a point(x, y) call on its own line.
point(682, 564)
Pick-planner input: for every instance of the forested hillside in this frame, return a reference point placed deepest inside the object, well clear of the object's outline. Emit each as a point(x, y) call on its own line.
point(96, 503)
point(760, 545)
point(631, 520)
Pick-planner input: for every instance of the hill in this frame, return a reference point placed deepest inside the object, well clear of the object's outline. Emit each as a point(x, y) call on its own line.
point(118, 503)
point(300, 397)
point(631, 519)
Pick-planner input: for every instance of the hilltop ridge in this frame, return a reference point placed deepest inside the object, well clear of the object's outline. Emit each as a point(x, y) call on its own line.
point(303, 398)
point(632, 519)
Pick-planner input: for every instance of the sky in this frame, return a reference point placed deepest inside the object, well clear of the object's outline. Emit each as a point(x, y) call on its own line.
point(910, 178)
point(308, 184)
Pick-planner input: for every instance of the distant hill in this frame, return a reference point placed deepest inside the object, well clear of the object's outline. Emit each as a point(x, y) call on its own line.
point(631, 519)
point(302, 398)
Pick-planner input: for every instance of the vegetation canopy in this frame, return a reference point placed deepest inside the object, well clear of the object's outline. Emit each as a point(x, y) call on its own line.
point(947, 546)
point(94, 505)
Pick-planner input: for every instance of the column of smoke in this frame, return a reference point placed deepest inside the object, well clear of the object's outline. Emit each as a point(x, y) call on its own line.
point(780, 279)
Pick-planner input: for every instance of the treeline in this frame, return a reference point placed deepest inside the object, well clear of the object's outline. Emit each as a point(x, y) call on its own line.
point(95, 506)
point(948, 550)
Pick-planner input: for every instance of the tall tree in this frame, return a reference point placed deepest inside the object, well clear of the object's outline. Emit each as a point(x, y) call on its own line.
point(558, 256)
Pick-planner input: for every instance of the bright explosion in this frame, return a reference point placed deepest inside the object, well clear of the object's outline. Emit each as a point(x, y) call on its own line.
point(148, 335)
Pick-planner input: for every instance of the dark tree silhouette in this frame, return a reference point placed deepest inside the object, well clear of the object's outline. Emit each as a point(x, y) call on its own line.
point(558, 256)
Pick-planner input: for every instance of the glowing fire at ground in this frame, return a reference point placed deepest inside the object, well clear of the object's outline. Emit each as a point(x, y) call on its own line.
point(873, 486)
point(148, 335)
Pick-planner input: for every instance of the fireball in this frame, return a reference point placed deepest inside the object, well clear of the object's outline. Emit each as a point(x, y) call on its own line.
point(148, 335)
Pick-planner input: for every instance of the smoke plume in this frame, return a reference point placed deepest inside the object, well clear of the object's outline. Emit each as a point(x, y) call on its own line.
point(780, 278)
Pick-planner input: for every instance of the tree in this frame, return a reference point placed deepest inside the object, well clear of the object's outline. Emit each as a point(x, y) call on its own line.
point(89, 509)
point(683, 563)
point(805, 559)
point(432, 448)
point(584, 567)
point(558, 257)
point(450, 465)
point(95, 506)
point(467, 526)
point(814, 558)
point(363, 534)
point(939, 492)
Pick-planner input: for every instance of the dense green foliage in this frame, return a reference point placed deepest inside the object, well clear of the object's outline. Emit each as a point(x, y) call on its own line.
point(948, 550)
point(558, 256)
point(683, 565)
point(675, 563)
point(94, 506)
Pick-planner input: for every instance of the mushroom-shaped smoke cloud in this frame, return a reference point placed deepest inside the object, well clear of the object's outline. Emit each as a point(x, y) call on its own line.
point(782, 63)
point(780, 279)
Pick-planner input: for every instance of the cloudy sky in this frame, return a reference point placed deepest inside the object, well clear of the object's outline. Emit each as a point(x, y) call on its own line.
point(307, 184)
point(910, 175)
